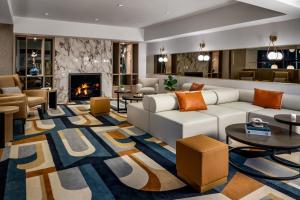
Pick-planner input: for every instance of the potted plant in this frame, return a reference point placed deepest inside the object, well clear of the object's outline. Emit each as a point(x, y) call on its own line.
point(170, 83)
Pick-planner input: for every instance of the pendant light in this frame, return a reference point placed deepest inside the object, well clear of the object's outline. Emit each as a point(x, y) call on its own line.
point(273, 53)
point(202, 56)
point(162, 57)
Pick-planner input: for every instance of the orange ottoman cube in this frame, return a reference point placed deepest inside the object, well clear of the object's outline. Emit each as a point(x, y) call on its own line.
point(99, 105)
point(202, 162)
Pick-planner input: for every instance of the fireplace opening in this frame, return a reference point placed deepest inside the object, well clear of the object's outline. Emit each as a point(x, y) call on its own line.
point(83, 86)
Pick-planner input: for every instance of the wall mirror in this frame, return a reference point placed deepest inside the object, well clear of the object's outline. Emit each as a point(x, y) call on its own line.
point(240, 64)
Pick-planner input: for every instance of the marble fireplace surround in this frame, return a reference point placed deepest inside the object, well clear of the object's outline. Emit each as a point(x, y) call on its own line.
point(78, 55)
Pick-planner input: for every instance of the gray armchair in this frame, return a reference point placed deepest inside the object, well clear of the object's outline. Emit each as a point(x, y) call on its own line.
point(148, 86)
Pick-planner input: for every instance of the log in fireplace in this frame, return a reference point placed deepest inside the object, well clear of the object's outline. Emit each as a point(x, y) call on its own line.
point(83, 86)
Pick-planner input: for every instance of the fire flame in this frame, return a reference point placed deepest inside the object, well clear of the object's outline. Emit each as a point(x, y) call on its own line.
point(83, 89)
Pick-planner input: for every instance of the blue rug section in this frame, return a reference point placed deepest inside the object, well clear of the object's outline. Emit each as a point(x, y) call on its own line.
point(67, 159)
point(96, 184)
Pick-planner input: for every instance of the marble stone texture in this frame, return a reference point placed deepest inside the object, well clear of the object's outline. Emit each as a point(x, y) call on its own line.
point(78, 55)
point(188, 62)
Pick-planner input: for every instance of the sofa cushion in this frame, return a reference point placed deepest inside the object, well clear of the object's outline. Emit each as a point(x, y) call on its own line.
point(291, 102)
point(196, 86)
point(226, 116)
point(243, 106)
point(190, 101)
point(267, 99)
point(268, 116)
point(147, 90)
point(160, 102)
point(172, 125)
point(226, 95)
point(246, 95)
point(7, 81)
point(148, 82)
point(11, 90)
point(210, 97)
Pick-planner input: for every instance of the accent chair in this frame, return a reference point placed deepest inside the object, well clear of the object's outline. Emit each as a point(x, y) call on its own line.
point(148, 86)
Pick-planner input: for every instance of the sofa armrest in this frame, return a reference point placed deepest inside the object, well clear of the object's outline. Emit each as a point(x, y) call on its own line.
point(156, 87)
point(37, 93)
point(17, 100)
point(139, 86)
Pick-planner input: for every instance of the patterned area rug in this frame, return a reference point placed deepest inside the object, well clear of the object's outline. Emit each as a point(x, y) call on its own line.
point(69, 154)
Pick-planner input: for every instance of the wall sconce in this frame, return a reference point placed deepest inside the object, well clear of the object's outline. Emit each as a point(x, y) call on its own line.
point(163, 57)
point(273, 53)
point(202, 56)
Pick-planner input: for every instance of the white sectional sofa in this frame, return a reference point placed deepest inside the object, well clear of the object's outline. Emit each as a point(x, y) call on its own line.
point(159, 114)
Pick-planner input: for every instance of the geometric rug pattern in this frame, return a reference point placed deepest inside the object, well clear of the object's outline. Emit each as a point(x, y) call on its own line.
point(69, 154)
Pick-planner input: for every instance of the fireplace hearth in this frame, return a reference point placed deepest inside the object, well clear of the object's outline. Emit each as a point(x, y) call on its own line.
point(83, 86)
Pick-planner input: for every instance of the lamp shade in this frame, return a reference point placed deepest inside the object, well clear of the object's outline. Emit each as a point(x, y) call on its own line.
point(160, 59)
point(290, 67)
point(275, 55)
point(274, 66)
point(201, 57)
point(206, 58)
point(165, 59)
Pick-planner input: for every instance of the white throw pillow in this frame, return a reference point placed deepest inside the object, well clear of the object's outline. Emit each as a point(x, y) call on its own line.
point(11, 90)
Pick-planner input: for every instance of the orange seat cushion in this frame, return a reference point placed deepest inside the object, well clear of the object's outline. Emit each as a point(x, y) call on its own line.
point(190, 101)
point(196, 87)
point(267, 99)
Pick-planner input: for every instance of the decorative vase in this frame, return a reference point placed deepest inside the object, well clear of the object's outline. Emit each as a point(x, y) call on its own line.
point(34, 71)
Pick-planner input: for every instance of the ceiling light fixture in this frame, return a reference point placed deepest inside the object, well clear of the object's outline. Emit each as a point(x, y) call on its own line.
point(46, 14)
point(273, 53)
point(96, 19)
point(163, 57)
point(203, 56)
point(120, 5)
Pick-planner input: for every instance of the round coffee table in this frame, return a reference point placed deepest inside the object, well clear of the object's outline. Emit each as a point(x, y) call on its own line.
point(286, 119)
point(118, 92)
point(279, 142)
point(131, 97)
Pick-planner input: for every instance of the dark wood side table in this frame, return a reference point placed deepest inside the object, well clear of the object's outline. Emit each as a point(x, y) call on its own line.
point(278, 143)
point(118, 92)
point(6, 123)
point(287, 119)
point(52, 98)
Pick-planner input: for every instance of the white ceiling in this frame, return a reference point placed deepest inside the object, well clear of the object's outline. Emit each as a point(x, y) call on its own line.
point(135, 13)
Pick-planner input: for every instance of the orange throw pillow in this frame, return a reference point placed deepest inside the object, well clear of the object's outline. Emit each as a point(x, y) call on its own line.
point(267, 99)
point(190, 101)
point(196, 87)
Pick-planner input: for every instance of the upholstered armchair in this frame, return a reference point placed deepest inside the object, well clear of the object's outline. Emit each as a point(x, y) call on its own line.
point(148, 86)
point(19, 100)
point(34, 97)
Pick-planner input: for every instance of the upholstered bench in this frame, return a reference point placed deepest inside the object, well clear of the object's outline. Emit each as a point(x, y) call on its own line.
point(202, 162)
point(99, 105)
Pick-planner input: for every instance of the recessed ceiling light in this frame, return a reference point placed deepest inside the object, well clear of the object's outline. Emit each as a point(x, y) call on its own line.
point(120, 5)
point(35, 38)
point(46, 14)
point(96, 19)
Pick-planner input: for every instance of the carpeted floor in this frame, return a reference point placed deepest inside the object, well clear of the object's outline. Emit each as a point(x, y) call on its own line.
point(69, 154)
